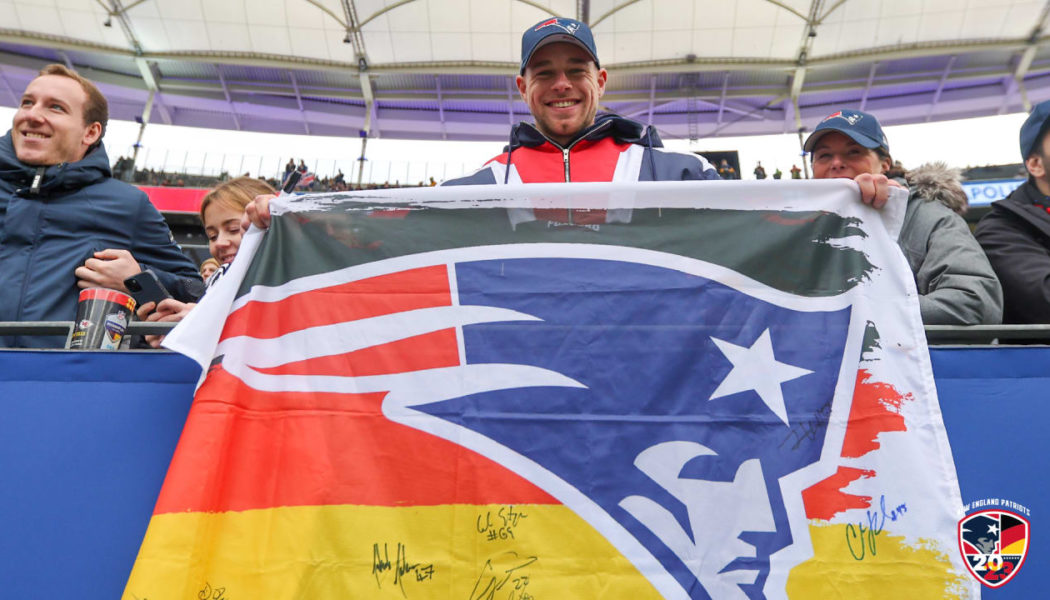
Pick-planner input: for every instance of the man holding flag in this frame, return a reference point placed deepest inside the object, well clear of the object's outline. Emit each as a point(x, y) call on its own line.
point(562, 83)
point(422, 400)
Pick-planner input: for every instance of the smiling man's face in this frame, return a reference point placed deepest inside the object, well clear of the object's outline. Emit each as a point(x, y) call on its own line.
point(562, 86)
point(49, 126)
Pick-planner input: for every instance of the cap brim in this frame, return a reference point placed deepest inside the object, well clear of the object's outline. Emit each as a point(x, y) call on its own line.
point(868, 142)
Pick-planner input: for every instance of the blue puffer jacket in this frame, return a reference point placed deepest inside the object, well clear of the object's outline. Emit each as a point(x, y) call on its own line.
point(50, 227)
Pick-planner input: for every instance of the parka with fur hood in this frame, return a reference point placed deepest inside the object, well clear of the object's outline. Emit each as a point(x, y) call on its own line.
point(956, 283)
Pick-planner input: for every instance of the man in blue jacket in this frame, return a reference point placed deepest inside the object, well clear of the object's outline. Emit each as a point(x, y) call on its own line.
point(65, 223)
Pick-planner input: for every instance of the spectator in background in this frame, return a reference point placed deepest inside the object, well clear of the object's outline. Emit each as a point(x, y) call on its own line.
point(897, 171)
point(778, 173)
point(796, 173)
point(221, 213)
point(1016, 232)
point(726, 170)
point(208, 267)
point(65, 222)
point(760, 171)
point(288, 168)
point(956, 284)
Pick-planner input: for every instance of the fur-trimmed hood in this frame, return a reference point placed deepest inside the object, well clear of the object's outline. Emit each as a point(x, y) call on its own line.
point(937, 182)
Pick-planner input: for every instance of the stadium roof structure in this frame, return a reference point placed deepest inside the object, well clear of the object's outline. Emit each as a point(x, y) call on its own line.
point(444, 69)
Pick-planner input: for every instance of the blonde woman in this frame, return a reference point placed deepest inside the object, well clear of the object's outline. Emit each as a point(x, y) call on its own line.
point(221, 213)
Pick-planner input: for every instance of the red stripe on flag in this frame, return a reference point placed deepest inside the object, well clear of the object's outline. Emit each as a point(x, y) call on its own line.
point(429, 351)
point(876, 410)
point(426, 287)
point(826, 499)
point(243, 449)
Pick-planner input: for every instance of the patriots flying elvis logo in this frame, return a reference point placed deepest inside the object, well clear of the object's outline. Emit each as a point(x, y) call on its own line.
point(569, 29)
point(672, 411)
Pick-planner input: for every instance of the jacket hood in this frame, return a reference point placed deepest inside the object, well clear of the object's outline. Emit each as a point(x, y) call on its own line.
point(936, 182)
point(92, 168)
point(605, 125)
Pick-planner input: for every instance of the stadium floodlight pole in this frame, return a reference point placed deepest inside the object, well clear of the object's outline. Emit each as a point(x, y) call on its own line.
point(366, 91)
point(361, 159)
point(143, 120)
point(802, 147)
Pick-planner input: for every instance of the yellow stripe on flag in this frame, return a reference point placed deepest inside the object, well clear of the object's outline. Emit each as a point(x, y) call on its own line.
point(850, 562)
point(418, 552)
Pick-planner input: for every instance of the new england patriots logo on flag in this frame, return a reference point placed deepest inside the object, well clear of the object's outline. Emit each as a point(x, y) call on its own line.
point(450, 401)
point(566, 376)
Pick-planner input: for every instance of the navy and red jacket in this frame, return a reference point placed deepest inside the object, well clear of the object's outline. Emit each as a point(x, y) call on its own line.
point(612, 149)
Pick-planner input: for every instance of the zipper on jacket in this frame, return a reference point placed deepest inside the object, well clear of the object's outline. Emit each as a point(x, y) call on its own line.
point(565, 156)
point(35, 188)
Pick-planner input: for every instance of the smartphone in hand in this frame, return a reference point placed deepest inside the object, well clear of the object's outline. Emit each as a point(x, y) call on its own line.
point(145, 287)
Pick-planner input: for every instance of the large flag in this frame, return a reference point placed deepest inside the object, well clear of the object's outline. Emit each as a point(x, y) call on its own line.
point(677, 390)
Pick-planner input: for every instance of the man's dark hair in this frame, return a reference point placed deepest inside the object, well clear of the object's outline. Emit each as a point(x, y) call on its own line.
point(96, 109)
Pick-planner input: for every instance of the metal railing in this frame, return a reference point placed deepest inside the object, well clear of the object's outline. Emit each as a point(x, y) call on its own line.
point(936, 335)
point(65, 328)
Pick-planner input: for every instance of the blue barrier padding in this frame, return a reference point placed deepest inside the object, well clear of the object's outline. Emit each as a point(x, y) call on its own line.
point(85, 440)
point(996, 404)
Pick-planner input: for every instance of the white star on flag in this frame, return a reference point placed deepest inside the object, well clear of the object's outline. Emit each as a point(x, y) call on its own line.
point(756, 368)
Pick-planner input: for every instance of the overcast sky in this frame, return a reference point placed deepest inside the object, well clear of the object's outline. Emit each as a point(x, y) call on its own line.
point(971, 142)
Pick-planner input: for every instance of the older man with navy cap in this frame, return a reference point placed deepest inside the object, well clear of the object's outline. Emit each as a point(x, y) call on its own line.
point(1016, 233)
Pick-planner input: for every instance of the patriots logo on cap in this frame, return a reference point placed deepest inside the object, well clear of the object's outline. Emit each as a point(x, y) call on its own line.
point(569, 29)
point(851, 119)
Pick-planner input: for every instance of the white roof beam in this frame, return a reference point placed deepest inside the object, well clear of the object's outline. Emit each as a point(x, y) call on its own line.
point(299, 102)
point(118, 10)
point(539, 6)
point(229, 100)
point(441, 107)
point(371, 120)
point(940, 88)
point(787, 8)
point(652, 99)
point(256, 59)
point(1024, 61)
point(149, 77)
point(511, 91)
point(867, 86)
point(613, 11)
point(722, 99)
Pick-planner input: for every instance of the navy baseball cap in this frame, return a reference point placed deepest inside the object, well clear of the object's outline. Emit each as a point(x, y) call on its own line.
point(862, 127)
point(1033, 129)
point(556, 29)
